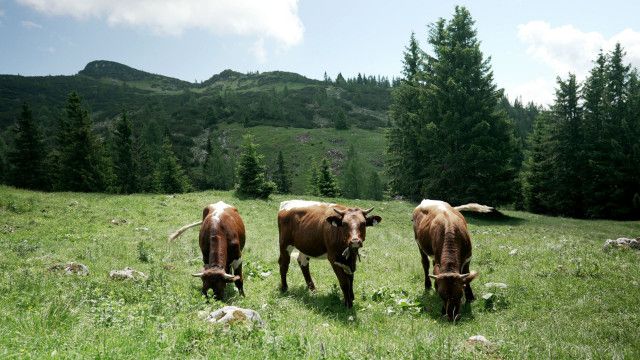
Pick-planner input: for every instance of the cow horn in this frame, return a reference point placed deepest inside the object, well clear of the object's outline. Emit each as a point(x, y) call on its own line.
point(339, 212)
point(200, 274)
point(228, 276)
point(365, 212)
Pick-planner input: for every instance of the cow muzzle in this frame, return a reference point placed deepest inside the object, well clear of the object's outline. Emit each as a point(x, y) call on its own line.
point(355, 243)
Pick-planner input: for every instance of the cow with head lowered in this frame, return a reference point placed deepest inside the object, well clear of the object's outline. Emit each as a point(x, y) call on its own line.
point(441, 233)
point(222, 238)
point(322, 230)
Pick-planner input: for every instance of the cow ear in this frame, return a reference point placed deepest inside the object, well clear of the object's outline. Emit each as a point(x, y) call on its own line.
point(334, 221)
point(467, 278)
point(373, 220)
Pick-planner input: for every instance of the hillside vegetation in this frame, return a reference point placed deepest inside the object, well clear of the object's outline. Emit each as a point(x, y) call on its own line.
point(565, 297)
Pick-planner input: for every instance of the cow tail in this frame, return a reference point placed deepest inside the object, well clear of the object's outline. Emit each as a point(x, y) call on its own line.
point(474, 207)
point(183, 229)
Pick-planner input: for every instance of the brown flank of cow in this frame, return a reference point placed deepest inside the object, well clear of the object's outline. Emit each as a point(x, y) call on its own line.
point(441, 233)
point(222, 238)
point(321, 229)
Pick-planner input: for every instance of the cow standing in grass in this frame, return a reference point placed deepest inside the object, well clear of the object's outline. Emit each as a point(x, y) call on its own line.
point(441, 233)
point(222, 238)
point(322, 230)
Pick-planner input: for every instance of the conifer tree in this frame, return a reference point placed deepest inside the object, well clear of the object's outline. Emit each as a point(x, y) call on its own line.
point(27, 158)
point(81, 162)
point(143, 166)
point(170, 177)
point(352, 176)
point(312, 186)
point(327, 185)
point(340, 122)
point(538, 185)
point(217, 168)
point(123, 155)
point(252, 182)
point(375, 189)
point(282, 180)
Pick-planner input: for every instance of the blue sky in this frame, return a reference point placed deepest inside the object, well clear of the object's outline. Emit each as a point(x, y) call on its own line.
point(530, 42)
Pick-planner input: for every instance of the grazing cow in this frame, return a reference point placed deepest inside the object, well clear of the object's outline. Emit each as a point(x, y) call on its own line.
point(222, 239)
point(441, 233)
point(322, 230)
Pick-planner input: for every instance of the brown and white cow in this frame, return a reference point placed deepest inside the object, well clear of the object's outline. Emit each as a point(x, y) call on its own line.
point(222, 238)
point(441, 233)
point(322, 230)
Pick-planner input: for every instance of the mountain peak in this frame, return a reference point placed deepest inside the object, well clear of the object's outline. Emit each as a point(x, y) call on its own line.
point(114, 70)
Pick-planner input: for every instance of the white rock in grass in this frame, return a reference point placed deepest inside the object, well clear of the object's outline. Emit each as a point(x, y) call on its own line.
point(127, 274)
point(513, 252)
point(233, 314)
point(496, 285)
point(478, 339)
point(622, 242)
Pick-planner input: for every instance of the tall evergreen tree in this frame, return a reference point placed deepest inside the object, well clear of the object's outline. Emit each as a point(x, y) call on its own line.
point(170, 177)
point(143, 166)
point(312, 186)
point(282, 180)
point(123, 160)
point(406, 124)
point(27, 166)
point(538, 180)
point(327, 185)
point(374, 189)
point(352, 176)
point(81, 166)
point(252, 182)
point(217, 168)
point(340, 121)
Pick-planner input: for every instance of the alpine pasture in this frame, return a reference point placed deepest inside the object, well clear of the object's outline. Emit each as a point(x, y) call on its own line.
point(564, 298)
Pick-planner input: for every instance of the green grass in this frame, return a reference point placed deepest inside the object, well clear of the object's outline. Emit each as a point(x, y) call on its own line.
point(566, 298)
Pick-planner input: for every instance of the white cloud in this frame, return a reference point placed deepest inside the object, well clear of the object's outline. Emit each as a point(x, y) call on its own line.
point(274, 19)
point(30, 25)
point(258, 50)
point(568, 49)
point(540, 91)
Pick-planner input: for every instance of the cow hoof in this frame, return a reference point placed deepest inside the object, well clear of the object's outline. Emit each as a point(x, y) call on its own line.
point(284, 288)
point(311, 287)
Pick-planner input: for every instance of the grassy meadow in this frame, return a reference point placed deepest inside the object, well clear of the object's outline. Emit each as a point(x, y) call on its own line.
point(565, 296)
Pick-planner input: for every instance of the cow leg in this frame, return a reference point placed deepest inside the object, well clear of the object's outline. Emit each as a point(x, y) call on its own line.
point(346, 284)
point(240, 282)
point(468, 294)
point(425, 266)
point(303, 261)
point(284, 267)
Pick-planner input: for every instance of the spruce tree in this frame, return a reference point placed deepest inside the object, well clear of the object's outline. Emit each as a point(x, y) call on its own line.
point(123, 155)
point(217, 168)
point(312, 186)
point(27, 163)
point(282, 180)
point(252, 182)
point(143, 166)
point(170, 177)
point(81, 163)
point(375, 190)
point(405, 112)
point(538, 180)
point(352, 176)
point(340, 122)
point(468, 145)
point(327, 185)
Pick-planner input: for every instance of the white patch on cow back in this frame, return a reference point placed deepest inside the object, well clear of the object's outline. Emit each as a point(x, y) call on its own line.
point(235, 264)
point(427, 203)
point(294, 204)
point(218, 209)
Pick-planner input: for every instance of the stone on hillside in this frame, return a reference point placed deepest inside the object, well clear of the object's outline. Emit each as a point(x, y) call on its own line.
point(496, 285)
point(232, 314)
point(127, 274)
point(72, 268)
point(478, 339)
point(622, 242)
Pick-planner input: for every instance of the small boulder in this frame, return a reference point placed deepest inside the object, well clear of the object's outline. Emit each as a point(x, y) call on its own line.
point(622, 243)
point(127, 274)
point(496, 285)
point(232, 314)
point(478, 339)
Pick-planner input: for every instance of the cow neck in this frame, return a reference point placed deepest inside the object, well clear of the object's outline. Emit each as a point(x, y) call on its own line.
point(450, 258)
point(217, 252)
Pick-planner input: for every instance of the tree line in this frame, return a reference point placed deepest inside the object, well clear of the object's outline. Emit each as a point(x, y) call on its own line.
point(451, 138)
point(77, 159)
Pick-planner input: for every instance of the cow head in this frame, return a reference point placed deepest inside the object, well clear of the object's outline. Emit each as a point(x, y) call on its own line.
point(450, 287)
point(216, 279)
point(354, 223)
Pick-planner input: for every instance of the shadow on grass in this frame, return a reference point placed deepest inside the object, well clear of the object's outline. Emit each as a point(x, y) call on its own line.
point(433, 305)
point(492, 219)
point(329, 304)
